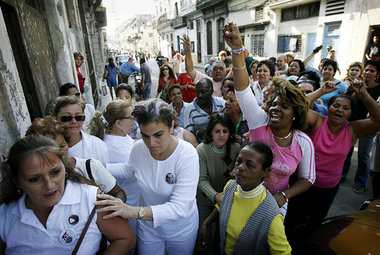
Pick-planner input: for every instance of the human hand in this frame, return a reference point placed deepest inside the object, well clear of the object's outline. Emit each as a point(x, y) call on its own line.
point(246, 136)
point(358, 86)
point(218, 198)
point(231, 35)
point(239, 139)
point(329, 86)
point(317, 49)
point(113, 206)
point(185, 41)
point(202, 237)
point(280, 199)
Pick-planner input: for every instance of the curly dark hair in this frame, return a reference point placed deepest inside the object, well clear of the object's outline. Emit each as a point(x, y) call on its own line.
point(269, 64)
point(291, 96)
point(171, 71)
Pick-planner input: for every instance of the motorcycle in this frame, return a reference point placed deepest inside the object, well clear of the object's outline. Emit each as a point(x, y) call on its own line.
point(138, 85)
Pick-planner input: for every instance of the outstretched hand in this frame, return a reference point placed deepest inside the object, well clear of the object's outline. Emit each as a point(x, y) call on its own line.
point(358, 86)
point(231, 35)
point(113, 206)
point(330, 86)
point(185, 41)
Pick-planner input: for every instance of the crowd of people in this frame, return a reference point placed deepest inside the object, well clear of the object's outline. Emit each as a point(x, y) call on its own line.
point(245, 158)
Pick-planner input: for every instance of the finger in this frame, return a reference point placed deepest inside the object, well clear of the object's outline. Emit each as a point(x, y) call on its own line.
point(105, 196)
point(111, 215)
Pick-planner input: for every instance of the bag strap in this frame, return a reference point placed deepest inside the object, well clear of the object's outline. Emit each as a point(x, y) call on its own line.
point(88, 169)
point(165, 90)
point(83, 232)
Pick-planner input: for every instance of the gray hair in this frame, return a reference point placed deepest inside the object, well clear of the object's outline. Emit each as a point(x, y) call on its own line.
point(153, 110)
point(216, 63)
point(62, 101)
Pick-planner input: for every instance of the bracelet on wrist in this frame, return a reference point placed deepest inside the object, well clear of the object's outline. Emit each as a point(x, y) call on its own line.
point(238, 51)
point(284, 195)
point(239, 68)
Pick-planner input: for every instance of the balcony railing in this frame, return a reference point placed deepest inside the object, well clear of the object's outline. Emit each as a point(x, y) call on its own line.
point(179, 22)
point(204, 4)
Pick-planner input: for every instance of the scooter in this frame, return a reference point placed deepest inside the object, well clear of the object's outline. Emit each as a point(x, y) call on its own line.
point(138, 85)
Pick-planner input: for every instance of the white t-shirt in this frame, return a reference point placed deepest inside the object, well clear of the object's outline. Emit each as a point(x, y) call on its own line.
point(90, 147)
point(23, 233)
point(100, 174)
point(173, 203)
point(119, 149)
point(89, 112)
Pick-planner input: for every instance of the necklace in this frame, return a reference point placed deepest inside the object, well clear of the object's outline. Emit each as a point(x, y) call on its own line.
point(272, 147)
point(284, 137)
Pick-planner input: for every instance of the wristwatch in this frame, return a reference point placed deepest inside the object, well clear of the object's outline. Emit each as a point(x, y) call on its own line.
point(141, 213)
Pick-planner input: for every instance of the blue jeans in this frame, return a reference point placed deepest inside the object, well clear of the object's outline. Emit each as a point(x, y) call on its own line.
point(362, 174)
point(347, 164)
point(146, 90)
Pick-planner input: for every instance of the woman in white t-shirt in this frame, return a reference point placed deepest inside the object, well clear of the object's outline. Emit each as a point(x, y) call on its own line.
point(69, 111)
point(113, 126)
point(45, 205)
point(167, 172)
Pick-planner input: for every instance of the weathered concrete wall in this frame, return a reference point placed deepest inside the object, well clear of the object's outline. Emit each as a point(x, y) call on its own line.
point(61, 53)
point(39, 55)
point(14, 115)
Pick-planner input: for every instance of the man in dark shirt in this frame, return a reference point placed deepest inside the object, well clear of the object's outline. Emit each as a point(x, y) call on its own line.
point(146, 79)
point(160, 59)
point(373, 49)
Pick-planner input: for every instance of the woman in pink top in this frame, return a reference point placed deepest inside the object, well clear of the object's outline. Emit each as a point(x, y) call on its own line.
point(333, 136)
point(278, 128)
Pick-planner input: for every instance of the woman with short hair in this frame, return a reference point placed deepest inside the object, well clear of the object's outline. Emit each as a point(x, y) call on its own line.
point(167, 173)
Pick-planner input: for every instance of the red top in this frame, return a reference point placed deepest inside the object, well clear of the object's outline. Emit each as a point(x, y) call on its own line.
point(80, 79)
point(187, 94)
point(162, 84)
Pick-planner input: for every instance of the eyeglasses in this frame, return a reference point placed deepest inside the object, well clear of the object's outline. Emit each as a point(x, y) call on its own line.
point(306, 81)
point(78, 118)
point(165, 69)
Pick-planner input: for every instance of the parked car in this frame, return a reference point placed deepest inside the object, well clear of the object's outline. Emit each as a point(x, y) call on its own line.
point(121, 59)
point(357, 233)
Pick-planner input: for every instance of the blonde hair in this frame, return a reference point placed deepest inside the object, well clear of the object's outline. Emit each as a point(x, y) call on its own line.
point(102, 122)
point(358, 64)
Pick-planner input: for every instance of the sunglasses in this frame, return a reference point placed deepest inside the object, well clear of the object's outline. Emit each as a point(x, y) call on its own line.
point(306, 81)
point(165, 69)
point(77, 94)
point(78, 118)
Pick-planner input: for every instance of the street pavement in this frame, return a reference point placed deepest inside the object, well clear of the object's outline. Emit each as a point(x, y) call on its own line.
point(346, 201)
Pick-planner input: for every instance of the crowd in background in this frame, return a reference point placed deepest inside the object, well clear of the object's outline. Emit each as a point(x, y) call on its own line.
point(246, 156)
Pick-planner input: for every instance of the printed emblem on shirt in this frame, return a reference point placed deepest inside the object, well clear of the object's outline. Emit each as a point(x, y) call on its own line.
point(67, 237)
point(170, 178)
point(73, 219)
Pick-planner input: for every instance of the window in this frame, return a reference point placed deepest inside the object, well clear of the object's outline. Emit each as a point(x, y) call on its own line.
point(191, 25)
point(257, 45)
point(300, 12)
point(259, 13)
point(289, 43)
point(209, 37)
point(220, 34)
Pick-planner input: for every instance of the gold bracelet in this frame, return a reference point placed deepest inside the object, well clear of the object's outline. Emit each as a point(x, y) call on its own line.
point(238, 68)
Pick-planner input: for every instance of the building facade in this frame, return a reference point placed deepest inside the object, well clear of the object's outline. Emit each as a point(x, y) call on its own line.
point(38, 39)
point(272, 27)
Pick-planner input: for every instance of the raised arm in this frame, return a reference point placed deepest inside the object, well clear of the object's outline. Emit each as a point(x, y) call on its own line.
point(367, 127)
point(312, 54)
point(232, 37)
point(188, 60)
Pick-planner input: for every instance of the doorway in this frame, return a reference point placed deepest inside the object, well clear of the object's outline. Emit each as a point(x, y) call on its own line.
point(25, 73)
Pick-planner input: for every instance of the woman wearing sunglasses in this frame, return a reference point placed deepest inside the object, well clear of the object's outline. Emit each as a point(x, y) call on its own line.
point(69, 89)
point(69, 111)
point(166, 79)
